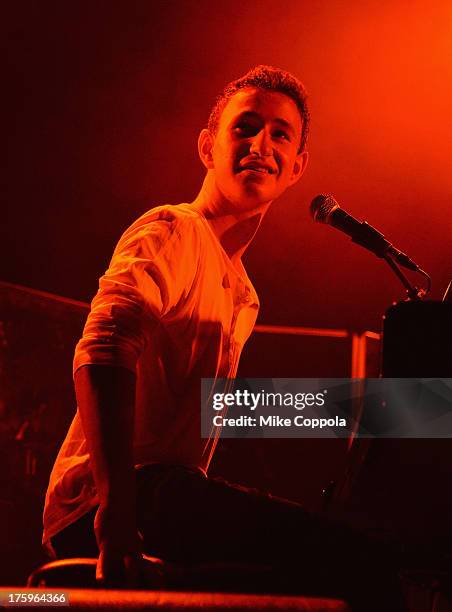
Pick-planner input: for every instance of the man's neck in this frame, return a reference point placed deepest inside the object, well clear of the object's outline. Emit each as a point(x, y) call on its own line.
point(234, 229)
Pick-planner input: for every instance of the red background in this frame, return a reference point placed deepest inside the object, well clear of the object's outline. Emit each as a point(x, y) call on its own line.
point(107, 100)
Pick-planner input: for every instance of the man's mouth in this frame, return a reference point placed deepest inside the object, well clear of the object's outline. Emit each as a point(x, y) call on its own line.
point(260, 168)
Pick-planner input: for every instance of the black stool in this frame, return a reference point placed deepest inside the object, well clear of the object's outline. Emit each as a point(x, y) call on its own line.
point(158, 575)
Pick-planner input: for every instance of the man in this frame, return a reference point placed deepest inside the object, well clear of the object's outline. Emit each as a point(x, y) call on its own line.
point(174, 306)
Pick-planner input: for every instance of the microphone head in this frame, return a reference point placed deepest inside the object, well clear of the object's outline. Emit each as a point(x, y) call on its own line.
point(322, 206)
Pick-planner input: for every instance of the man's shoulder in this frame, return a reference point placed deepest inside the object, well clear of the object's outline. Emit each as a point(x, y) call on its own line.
point(162, 225)
point(166, 217)
point(167, 214)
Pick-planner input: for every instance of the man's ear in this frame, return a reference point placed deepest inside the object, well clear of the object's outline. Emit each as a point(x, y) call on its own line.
point(205, 146)
point(299, 166)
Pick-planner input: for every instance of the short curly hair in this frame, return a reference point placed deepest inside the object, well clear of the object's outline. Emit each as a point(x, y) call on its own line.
point(272, 79)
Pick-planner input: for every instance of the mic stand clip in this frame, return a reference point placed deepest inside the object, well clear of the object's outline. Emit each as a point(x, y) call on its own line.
point(413, 293)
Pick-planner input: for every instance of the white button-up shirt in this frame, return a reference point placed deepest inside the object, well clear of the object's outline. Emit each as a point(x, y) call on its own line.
point(172, 309)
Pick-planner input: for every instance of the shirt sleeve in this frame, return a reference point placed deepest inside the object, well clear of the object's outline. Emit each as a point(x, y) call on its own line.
point(149, 277)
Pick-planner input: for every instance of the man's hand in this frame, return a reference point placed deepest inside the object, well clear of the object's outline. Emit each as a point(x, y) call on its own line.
point(120, 563)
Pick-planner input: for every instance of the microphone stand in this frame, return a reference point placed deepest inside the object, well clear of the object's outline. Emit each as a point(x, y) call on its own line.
point(414, 293)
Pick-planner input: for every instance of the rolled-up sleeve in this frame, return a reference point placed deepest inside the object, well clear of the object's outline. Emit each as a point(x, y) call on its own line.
point(151, 271)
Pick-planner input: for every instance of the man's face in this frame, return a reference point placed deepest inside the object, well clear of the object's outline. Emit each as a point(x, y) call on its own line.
point(255, 151)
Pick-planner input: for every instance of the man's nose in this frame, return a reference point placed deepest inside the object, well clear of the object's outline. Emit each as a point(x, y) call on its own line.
point(261, 144)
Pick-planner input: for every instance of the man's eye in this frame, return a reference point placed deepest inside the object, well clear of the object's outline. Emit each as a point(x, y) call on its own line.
point(281, 134)
point(245, 128)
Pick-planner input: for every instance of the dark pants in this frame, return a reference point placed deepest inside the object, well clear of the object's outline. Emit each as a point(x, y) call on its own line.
point(187, 518)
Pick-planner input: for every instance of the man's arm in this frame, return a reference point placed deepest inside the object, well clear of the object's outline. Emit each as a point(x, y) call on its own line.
point(106, 398)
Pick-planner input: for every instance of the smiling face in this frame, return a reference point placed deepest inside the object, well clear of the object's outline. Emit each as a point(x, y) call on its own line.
point(254, 155)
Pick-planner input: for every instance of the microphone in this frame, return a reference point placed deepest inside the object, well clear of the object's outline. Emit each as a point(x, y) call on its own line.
point(325, 209)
